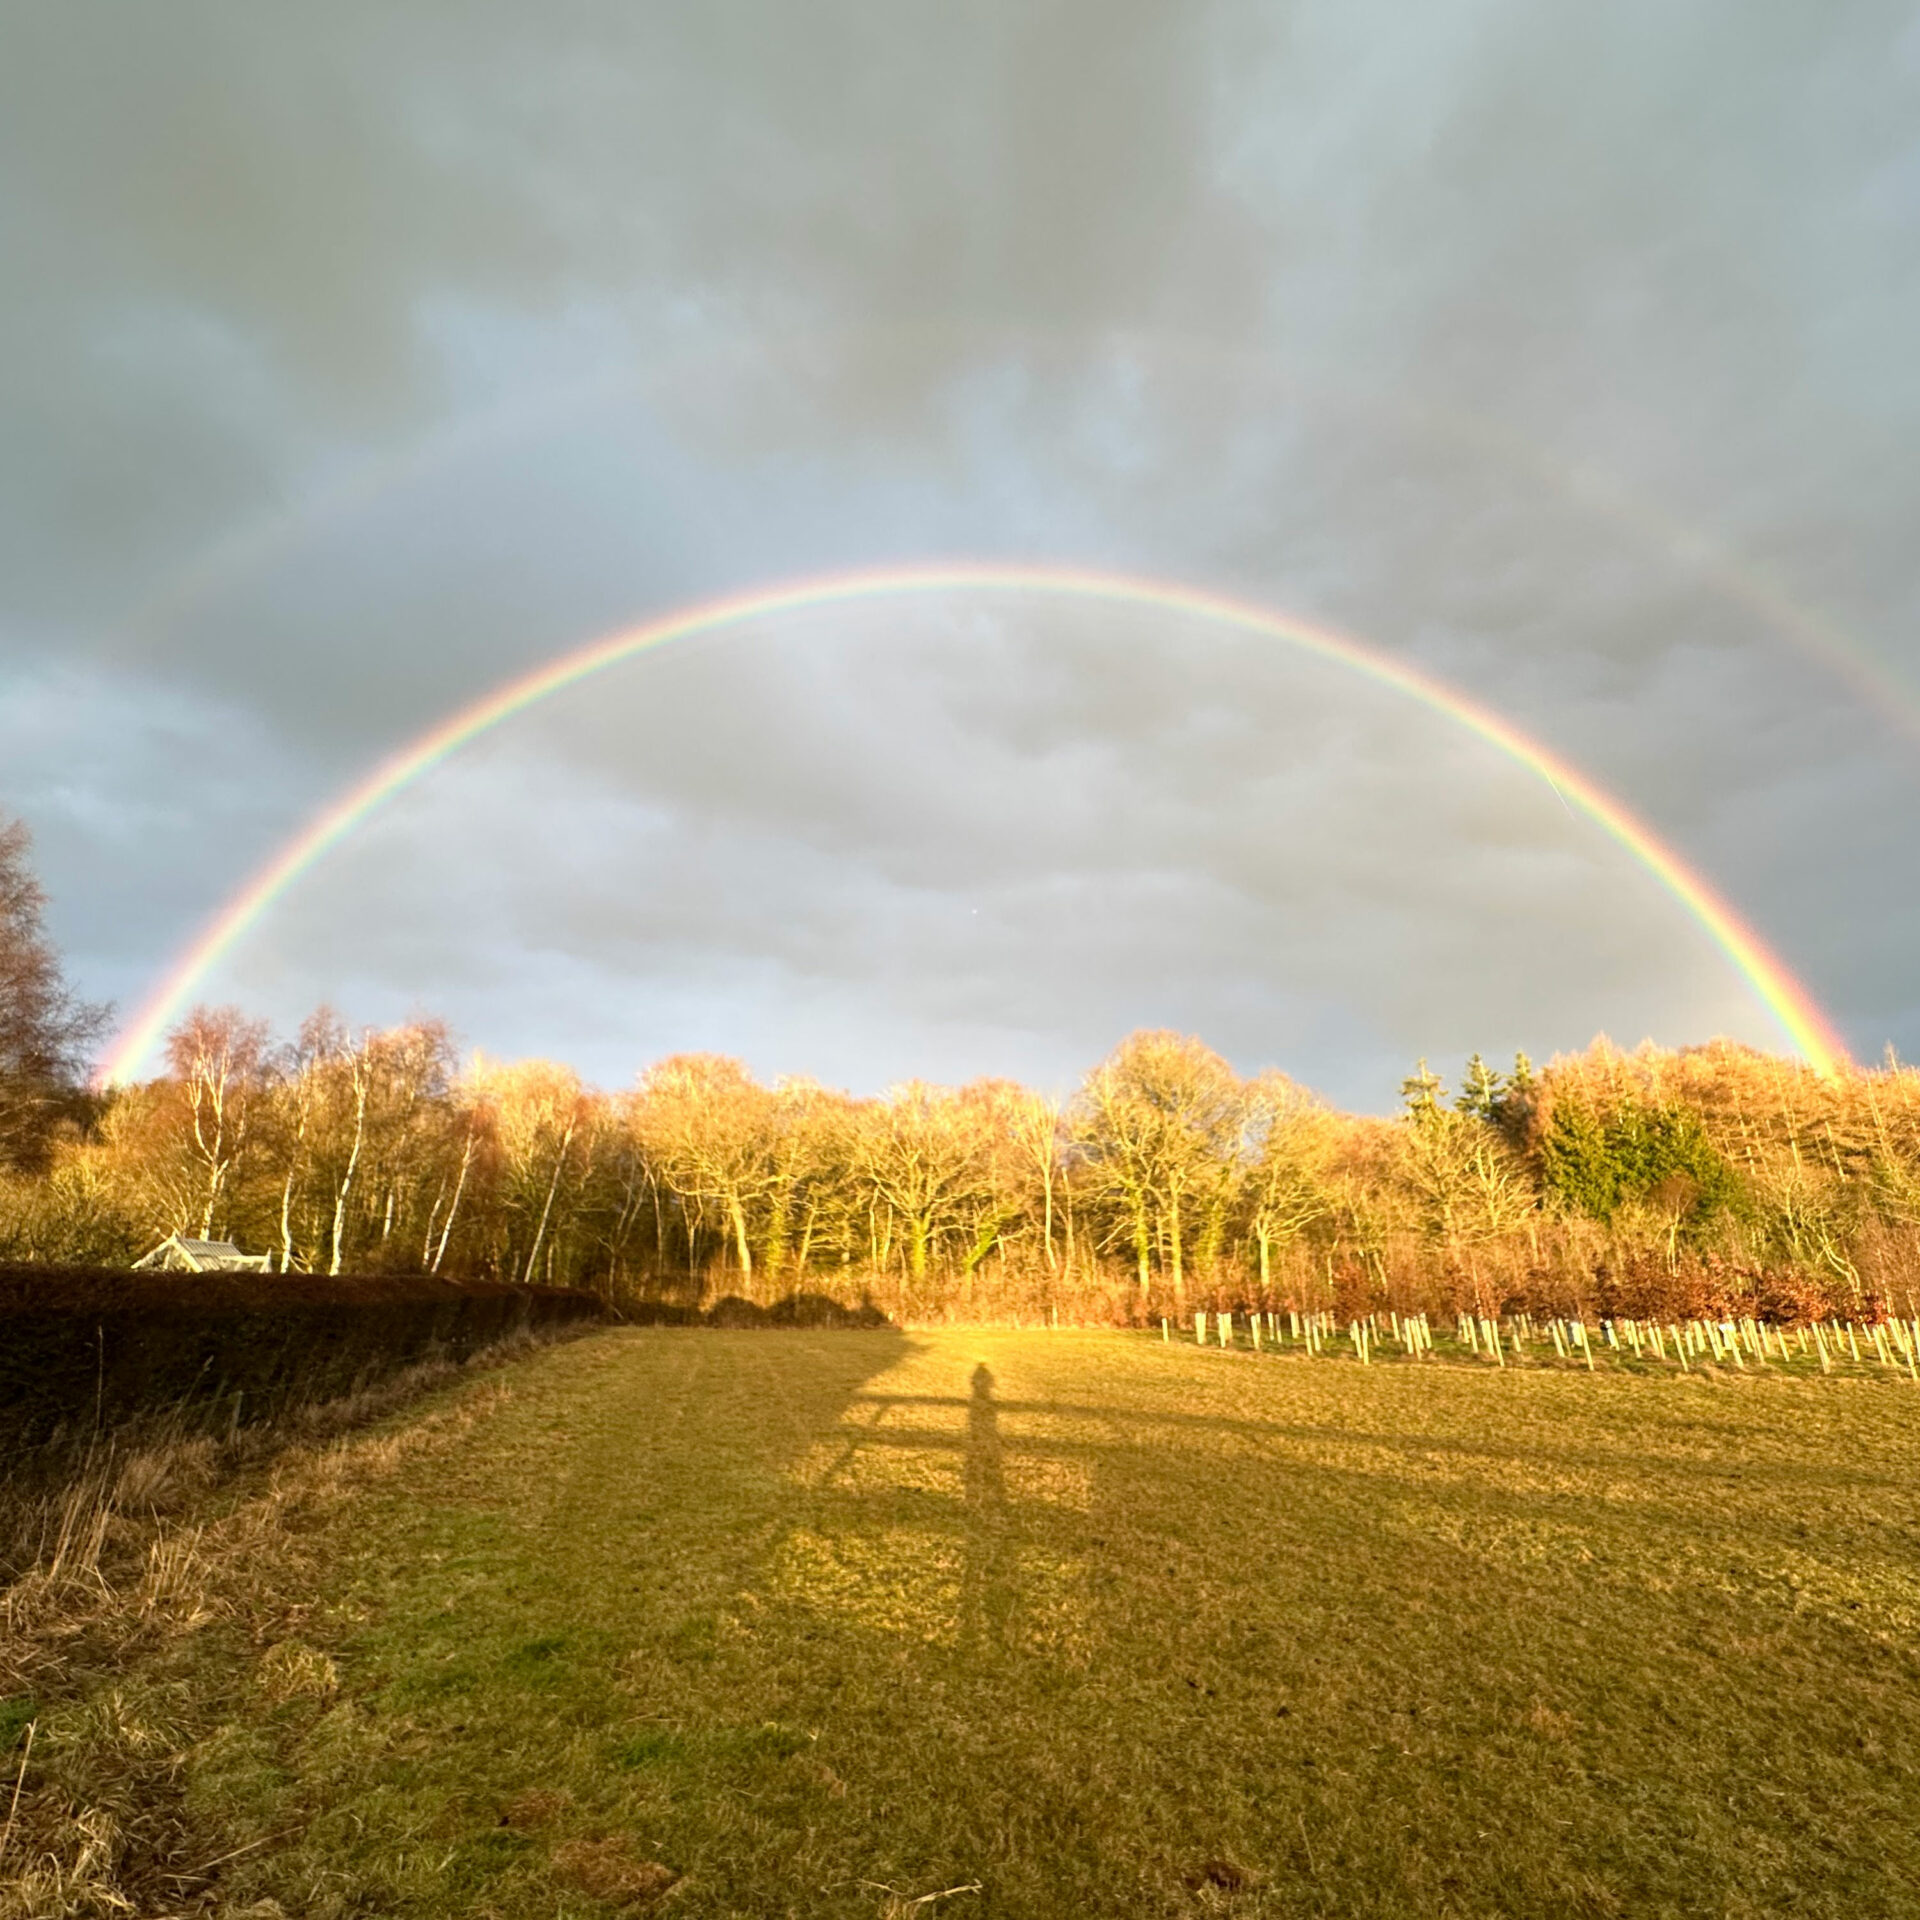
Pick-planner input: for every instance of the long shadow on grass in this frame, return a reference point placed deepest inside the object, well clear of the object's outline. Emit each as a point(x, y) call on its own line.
point(1256, 1666)
point(1634, 1451)
point(716, 1598)
point(987, 1591)
point(1735, 1527)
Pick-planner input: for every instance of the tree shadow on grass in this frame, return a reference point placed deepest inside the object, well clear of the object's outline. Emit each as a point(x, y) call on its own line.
point(1346, 1672)
point(1838, 1475)
point(801, 1636)
point(1810, 1538)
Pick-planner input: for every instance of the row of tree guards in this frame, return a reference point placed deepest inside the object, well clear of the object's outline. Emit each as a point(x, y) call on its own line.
point(1892, 1343)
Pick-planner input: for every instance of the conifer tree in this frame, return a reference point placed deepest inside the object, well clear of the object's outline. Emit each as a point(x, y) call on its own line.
point(1481, 1090)
point(1423, 1090)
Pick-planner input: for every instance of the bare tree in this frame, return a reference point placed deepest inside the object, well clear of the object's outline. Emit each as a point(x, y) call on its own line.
point(1030, 1125)
point(924, 1156)
point(321, 1041)
point(705, 1123)
point(219, 1059)
point(45, 1032)
point(472, 1125)
point(1157, 1129)
point(1286, 1187)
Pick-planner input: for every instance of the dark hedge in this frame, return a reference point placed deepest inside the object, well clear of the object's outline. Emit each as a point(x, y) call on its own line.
point(84, 1350)
point(796, 1310)
point(732, 1310)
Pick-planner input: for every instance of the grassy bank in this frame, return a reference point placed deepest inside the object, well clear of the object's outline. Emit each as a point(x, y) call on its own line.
point(825, 1623)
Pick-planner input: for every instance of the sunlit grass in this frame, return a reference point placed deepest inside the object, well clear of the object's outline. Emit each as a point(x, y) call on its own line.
point(788, 1623)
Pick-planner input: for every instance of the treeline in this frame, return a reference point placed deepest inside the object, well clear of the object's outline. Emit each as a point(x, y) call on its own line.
point(1649, 1183)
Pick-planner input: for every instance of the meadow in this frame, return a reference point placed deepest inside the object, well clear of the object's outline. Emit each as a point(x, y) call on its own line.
point(1029, 1623)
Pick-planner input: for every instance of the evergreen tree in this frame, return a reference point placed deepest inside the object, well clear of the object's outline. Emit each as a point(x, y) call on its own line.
point(1423, 1090)
point(1482, 1090)
point(1594, 1165)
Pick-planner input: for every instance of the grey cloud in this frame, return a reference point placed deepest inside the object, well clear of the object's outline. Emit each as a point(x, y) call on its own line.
point(610, 307)
point(309, 188)
point(927, 859)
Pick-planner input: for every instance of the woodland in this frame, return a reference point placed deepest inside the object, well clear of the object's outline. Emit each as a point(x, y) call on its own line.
point(1645, 1182)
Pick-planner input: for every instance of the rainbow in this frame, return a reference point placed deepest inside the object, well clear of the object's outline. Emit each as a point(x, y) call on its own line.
point(1796, 1013)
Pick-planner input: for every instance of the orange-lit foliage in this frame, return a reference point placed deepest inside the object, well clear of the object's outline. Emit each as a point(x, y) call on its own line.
point(1658, 1183)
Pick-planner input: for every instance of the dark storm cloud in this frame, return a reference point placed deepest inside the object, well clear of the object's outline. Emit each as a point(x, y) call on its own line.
point(351, 359)
point(217, 196)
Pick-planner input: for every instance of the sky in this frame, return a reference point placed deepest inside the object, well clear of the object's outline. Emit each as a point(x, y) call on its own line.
point(355, 360)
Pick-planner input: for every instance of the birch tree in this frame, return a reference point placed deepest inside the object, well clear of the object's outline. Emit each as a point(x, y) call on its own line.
point(219, 1062)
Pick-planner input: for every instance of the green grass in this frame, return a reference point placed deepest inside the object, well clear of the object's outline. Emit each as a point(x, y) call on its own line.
point(821, 1623)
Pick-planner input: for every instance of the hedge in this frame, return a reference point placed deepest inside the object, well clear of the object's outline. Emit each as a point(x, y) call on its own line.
point(85, 1350)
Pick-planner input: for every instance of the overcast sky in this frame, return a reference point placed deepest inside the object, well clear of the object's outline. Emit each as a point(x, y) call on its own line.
point(355, 358)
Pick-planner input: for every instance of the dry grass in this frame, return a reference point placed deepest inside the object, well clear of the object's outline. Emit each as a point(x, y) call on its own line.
point(1029, 1624)
point(143, 1547)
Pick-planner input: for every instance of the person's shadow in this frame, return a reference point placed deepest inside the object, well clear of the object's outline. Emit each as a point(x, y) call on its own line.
point(987, 1595)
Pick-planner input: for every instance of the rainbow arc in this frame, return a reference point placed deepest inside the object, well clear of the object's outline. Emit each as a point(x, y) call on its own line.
point(1794, 1010)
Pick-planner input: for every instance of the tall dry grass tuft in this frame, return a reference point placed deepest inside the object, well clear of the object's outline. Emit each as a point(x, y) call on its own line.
point(134, 1542)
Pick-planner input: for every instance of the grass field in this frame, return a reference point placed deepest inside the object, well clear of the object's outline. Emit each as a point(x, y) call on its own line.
point(1074, 1624)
